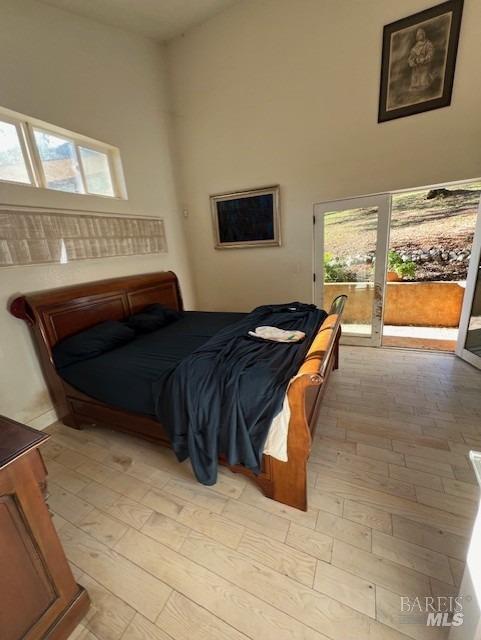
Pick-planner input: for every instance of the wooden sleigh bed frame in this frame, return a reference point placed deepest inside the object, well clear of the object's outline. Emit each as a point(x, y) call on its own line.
point(55, 314)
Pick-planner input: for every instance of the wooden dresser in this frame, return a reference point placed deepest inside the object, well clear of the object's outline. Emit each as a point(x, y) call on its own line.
point(39, 598)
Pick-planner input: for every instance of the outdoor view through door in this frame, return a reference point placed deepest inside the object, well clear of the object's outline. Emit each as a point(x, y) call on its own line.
point(351, 241)
point(402, 259)
point(431, 235)
point(349, 257)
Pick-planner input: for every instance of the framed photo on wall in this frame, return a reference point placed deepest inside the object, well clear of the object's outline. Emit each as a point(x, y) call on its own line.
point(246, 218)
point(418, 61)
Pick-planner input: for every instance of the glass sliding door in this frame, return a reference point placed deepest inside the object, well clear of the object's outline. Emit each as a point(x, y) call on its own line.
point(469, 341)
point(350, 244)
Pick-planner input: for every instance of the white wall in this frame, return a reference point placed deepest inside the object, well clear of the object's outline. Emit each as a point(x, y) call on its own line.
point(284, 91)
point(106, 84)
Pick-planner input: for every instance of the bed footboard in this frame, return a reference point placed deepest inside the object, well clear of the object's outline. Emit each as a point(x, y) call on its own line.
point(288, 480)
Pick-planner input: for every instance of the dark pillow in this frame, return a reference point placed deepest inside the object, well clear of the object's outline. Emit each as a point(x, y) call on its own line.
point(91, 342)
point(152, 318)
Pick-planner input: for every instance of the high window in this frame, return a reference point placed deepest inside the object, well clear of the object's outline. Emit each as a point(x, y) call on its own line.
point(42, 155)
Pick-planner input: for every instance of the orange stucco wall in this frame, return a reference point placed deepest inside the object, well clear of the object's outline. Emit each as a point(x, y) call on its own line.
point(422, 304)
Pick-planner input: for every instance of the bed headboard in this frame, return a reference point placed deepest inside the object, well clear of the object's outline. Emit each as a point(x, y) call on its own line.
point(58, 313)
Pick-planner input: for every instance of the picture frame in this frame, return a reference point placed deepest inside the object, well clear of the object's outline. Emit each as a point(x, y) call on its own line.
point(418, 61)
point(244, 219)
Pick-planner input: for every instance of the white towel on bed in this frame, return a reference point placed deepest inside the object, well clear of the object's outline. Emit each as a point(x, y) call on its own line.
point(276, 442)
point(277, 335)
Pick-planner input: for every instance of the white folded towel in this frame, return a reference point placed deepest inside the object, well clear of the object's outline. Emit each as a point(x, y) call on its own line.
point(277, 335)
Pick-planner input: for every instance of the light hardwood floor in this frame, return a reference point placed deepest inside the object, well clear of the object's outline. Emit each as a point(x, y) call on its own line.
point(392, 499)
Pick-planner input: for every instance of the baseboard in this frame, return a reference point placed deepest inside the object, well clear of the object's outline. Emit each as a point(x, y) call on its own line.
point(43, 421)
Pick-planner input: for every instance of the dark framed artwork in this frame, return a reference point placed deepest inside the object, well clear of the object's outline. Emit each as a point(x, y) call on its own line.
point(246, 218)
point(418, 61)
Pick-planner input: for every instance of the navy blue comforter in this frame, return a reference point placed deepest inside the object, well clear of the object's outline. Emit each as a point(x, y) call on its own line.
point(222, 398)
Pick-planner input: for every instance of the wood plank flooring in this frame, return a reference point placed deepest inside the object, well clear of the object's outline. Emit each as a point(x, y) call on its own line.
point(392, 499)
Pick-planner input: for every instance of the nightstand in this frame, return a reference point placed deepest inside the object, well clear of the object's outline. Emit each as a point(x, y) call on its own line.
point(39, 598)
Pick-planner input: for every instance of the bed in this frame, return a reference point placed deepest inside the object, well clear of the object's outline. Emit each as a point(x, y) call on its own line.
point(57, 314)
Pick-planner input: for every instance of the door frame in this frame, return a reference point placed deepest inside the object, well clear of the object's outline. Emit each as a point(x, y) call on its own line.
point(383, 203)
point(471, 281)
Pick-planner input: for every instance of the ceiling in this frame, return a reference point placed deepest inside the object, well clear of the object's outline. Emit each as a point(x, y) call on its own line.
point(157, 19)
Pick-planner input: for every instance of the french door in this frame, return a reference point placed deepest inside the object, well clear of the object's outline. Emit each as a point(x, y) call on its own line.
point(469, 337)
point(350, 252)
